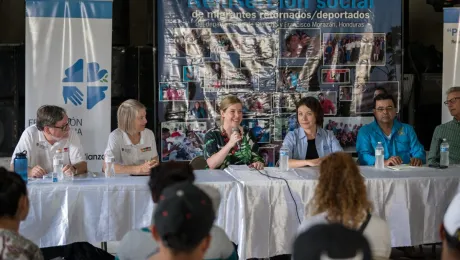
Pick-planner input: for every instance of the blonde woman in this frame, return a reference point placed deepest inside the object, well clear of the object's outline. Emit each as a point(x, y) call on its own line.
point(133, 145)
point(230, 143)
point(340, 197)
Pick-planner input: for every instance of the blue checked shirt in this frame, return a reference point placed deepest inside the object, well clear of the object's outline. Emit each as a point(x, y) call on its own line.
point(403, 142)
point(296, 142)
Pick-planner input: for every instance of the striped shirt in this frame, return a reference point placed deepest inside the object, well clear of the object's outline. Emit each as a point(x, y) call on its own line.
point(450, 131)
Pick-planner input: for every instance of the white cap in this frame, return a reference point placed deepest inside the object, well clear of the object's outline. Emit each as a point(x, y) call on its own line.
point(452, 217)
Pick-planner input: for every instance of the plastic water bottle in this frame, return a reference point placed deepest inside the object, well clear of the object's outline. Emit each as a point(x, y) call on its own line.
point(58, 164)
point(284, 158)
point(379, 156)
point(109, 158)
point(444, 150)
point(21, 164)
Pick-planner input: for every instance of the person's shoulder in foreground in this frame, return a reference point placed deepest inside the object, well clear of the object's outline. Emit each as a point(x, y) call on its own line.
point(450, 231)
point(331, 241)
point(136, 244)
point(14, 208)
point(220, 247)
point(17, 247)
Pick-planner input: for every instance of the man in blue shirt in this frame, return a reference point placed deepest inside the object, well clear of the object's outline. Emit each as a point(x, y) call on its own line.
point(399, 140)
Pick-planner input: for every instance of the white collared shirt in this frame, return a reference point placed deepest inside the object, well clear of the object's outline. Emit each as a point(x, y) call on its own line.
point(127, 153)
point(41, 152)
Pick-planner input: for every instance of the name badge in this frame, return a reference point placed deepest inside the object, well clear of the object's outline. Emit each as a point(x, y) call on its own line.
point(41, 146)
point(146, 149)
point(128, 151)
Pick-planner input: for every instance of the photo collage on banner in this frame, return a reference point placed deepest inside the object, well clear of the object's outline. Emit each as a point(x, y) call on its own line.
point(270, 57)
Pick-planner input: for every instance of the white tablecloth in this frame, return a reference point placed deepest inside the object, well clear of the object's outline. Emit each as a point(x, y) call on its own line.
point(412, 201)
point(97, 209)
point(257, 212)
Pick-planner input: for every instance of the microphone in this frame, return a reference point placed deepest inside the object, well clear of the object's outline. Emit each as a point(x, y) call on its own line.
point(236, 129)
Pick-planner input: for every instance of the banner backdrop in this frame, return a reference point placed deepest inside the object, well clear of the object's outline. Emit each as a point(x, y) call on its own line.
point(270, 53)
point(68, 63)
point(451, 56)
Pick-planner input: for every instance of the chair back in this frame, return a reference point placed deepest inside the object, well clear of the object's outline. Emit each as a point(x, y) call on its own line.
point(198, 163)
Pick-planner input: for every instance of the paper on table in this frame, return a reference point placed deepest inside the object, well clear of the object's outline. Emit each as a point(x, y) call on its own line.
point(401, 167)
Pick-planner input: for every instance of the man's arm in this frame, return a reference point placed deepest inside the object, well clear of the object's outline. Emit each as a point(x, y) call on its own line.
point(416, 148)
point(433, 155)
point(82, 167)
point(364, 149)
point(25, 144)
point(77, 154)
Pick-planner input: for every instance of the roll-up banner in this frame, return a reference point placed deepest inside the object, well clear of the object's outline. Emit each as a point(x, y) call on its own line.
point(68, 64)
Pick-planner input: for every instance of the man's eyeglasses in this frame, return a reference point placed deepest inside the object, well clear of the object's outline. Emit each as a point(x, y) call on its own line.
point(63, 128)
point(383, 109)
point(451, 101)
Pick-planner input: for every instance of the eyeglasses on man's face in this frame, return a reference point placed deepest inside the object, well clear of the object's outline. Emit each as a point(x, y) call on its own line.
point(63, 128)
point(383, 109)
point(451, 101)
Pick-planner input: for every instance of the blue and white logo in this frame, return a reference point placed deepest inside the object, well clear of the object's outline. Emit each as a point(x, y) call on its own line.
point(94, 78)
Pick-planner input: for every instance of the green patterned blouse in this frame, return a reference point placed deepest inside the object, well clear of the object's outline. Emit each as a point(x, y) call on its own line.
point(215, 139)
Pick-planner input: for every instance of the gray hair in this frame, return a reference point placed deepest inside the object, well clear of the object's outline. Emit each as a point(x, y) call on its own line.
point(127, 113)
point(452, 90)
point(49, 115)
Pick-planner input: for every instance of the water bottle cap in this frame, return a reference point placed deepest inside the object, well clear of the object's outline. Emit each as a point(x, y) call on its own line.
point(22, 154)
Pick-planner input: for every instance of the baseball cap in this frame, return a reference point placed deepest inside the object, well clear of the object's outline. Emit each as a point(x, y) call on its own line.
point(184, 216)
point(331, 241)
point(452, 223)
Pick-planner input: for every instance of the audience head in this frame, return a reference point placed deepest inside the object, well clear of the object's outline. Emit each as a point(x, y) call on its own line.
point(453, 102)
point(384, 108)
point(231, 111)
point(341, 191)
point(131, 116)
point(53, 121)
point(183, 219)
point(450, 231)
point(14, 204)
point(331, 241)
point(309, 113)
point(167, 174)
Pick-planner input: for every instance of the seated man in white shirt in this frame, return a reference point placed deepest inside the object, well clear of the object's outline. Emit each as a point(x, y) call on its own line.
point(41, 141)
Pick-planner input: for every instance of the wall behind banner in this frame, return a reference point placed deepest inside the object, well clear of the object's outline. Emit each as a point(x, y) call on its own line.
point(270, 55)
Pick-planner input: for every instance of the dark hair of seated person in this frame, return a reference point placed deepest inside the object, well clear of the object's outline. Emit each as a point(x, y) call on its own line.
point(12, 188)
point(167, 174)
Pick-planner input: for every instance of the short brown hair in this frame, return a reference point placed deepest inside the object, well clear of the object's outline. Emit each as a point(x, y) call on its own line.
point(313, 104)
point(228, 101)
point(127, 113)
point(341, 191)
point(49, 115)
